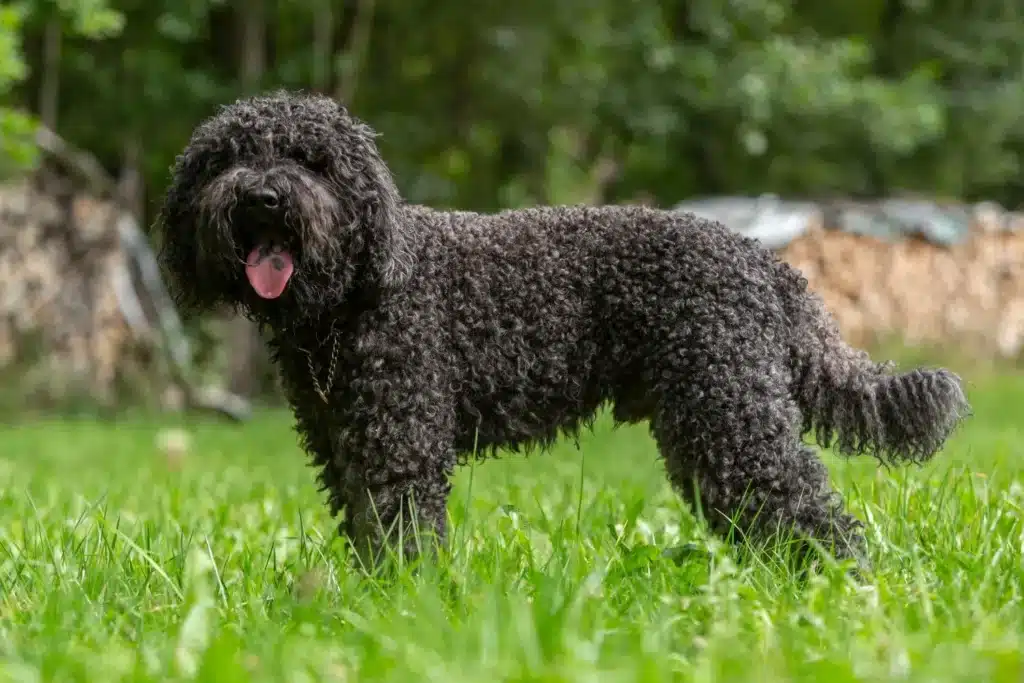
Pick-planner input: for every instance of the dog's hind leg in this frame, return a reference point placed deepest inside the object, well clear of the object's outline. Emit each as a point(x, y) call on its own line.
point(733, 452)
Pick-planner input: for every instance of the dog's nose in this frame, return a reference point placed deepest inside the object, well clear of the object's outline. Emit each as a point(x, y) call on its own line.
point(265, 197)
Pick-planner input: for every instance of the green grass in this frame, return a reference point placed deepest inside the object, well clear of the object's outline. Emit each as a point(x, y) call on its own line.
point(117, 563)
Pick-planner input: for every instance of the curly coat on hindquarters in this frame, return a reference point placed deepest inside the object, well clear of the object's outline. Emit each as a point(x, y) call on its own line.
point(410, 339)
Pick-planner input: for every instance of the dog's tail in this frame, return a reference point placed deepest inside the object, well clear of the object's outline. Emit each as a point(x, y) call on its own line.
point(860, 407)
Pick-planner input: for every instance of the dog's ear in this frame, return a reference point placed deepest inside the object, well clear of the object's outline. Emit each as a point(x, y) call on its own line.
point(357, 169)
point(177, 254)
point(388, 242)
point(180, 256)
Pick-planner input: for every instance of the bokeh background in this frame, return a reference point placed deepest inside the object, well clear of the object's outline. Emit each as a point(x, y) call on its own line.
point(146, 536)
point(876, 143)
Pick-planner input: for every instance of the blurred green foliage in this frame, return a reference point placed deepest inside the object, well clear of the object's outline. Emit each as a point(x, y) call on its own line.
point(496, 103)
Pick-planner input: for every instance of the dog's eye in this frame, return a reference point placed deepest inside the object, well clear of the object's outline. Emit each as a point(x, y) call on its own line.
point(306, 159)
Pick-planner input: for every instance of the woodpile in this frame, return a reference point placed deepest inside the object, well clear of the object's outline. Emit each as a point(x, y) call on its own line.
point(60, 319)
point(938, 275)
point(969, 294)
point(84, 312)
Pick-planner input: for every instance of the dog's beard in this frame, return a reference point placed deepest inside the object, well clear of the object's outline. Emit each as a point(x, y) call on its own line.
point(289, 256)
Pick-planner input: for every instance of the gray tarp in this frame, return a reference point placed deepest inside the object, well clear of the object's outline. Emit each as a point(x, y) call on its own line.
point(777, 222)
point(769, 219)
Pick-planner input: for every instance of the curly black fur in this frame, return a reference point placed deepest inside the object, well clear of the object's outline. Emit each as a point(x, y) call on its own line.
point(455, 331)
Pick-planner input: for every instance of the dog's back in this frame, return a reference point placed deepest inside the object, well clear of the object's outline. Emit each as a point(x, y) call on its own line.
point(556, 310)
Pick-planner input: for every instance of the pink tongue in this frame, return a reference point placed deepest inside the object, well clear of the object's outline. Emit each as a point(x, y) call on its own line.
point(268, 273)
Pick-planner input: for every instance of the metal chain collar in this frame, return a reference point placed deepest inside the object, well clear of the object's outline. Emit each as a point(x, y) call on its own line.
point(324, 390)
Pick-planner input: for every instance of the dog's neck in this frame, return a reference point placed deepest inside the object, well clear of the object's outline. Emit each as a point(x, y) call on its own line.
point(337, 316)
point(307, 325)
point(317, 339)
point(333, 312)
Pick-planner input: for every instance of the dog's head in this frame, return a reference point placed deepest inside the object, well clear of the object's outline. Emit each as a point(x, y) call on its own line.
point(279, 206)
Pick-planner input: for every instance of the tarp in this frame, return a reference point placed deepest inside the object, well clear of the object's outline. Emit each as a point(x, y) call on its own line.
point(773, 221)
point(777, 222)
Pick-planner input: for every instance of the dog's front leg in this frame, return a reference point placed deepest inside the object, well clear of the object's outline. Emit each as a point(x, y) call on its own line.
point(325, 451)
point(397, 490)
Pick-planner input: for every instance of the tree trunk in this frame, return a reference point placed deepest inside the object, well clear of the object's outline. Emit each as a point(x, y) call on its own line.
point(252, 14)
point(323, 46)
point(130, 185)
point(49, 86)
point(359, 45)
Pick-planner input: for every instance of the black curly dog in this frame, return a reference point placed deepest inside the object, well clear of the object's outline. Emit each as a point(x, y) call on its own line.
point(410, 340)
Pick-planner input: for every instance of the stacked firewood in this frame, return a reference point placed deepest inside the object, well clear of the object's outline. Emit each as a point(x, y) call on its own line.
point(83, 307)
point(60, 320)
point(969, 294)
point(83, 310)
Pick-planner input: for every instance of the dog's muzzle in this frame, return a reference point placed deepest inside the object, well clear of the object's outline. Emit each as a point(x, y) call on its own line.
point(270, 265)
